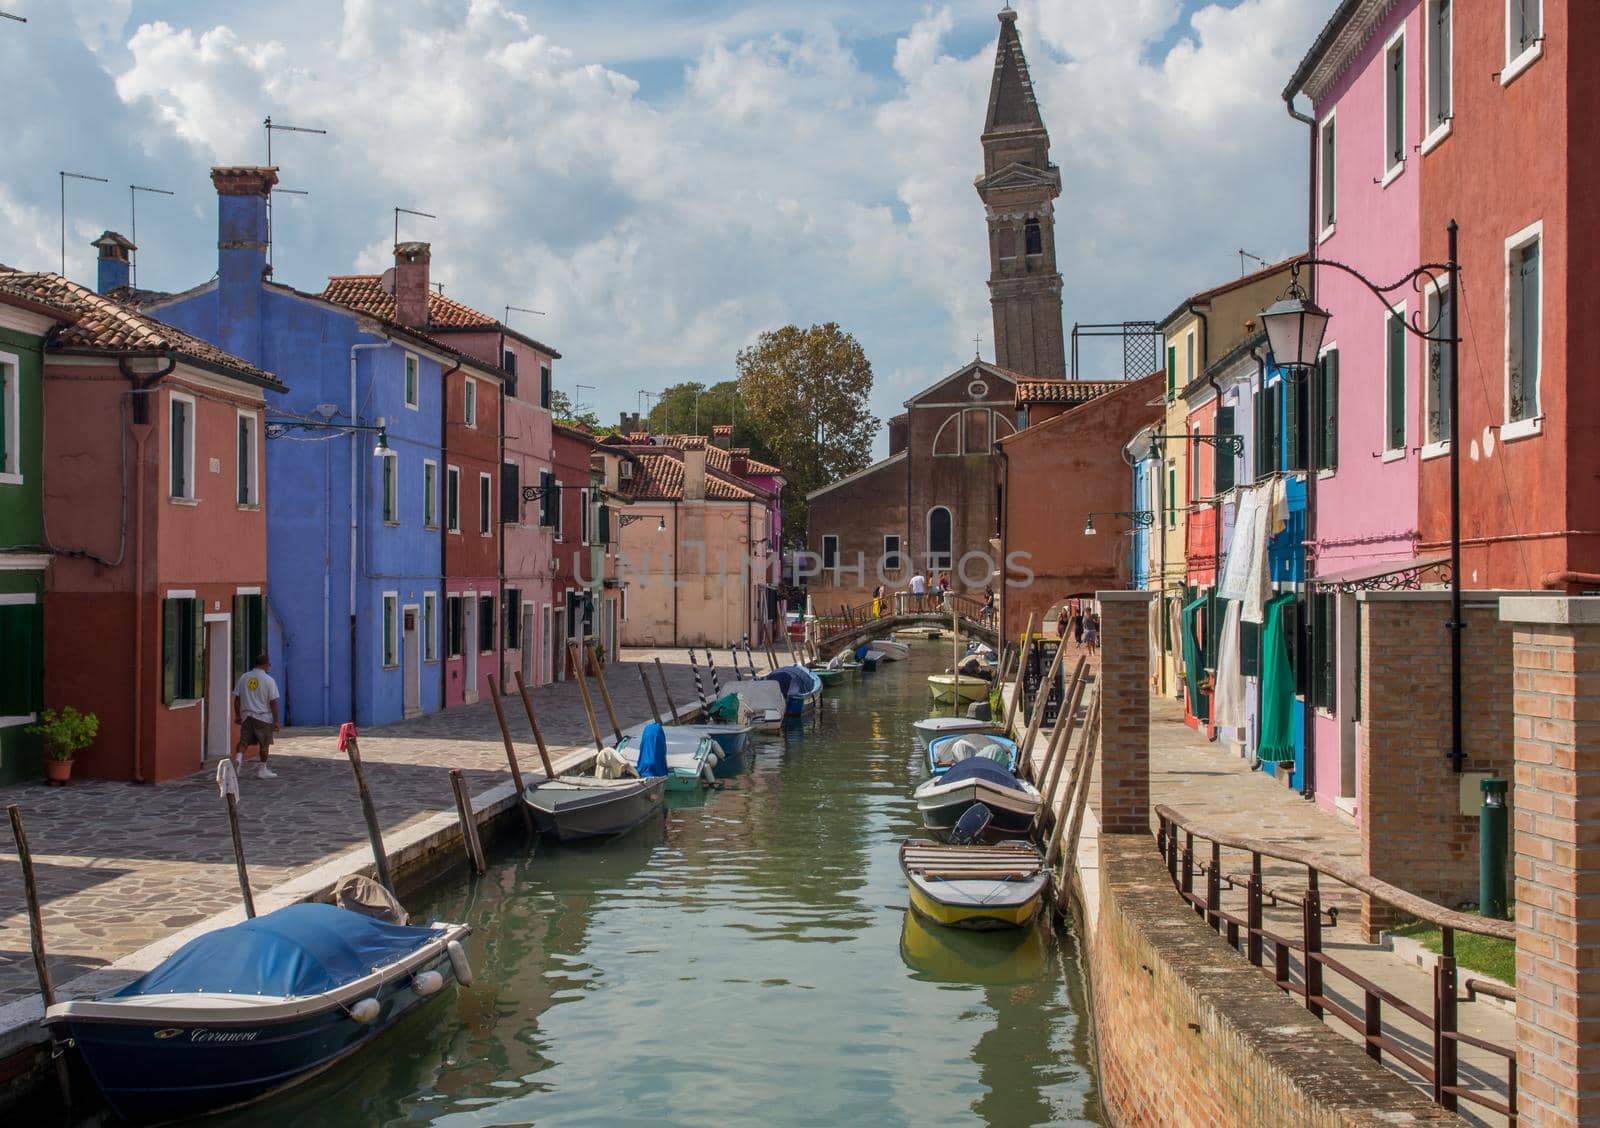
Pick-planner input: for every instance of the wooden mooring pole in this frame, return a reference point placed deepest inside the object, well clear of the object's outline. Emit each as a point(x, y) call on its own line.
point(1068, 841)
point(511, 750)
point(583, 688)
point(1025, 749)
point(469, 824)
point(716, 682)
point(41, 966)
point(228, 784)
point(351, 745)
point(667, 689)
point(1016, 682)
point(1066, 722)
point(605, 692)
point(533, 723)
point(649, 693)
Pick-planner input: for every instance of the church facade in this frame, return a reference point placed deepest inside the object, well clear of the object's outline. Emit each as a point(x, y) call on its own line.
point(934, 504)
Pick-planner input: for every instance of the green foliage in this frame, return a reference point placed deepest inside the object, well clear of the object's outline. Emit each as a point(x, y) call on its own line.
point(806, 392)
point(562, 409)
point(65, 732)
point(1487, 954)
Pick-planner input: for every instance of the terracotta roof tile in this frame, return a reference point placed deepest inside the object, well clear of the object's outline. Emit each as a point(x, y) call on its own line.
point(1064, 391)
point(366, 293)
point(660, 477)
point(716, 457)
point(100, 324)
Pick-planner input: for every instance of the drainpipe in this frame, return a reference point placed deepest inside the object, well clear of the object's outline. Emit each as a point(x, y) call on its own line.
point(1311, 180)
point(676, 537)
point(745, 578)
point(142, 386)
point(355, 519)
point(1216, 529)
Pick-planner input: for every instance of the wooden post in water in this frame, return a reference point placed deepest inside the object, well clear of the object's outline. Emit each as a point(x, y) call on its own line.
point(469, 825)
point(228, 784)
point(583, 688)
point(533, 723)
point(41, 967)
point(1067, 722)
point(349, 742)
point(1016, 682)
point(699, 686)
point(1025, 749)
point(649, 693)
point(667, 689)
point(716, 682)
point(511, 750)
point(733, 656)
point(605, 693)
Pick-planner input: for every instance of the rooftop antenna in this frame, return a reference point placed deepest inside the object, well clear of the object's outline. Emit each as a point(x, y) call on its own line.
point(133, 226)
point(1244, 254)
point(9, 16)
point(269, 125)
point(65, 176)
point(510, 309)
point(438, 288)
point(408, 211)
point(578, 401)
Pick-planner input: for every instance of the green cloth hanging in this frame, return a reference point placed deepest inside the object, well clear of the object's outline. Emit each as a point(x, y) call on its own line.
point(1191, 652)
point(1277, 686)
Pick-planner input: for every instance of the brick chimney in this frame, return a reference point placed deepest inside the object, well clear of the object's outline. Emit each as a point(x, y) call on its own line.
point(242, 194)
point(694, 468)
point(739, 462)
point(722, 436)
point(411, 283)
point(897, 433)
point(115, 259)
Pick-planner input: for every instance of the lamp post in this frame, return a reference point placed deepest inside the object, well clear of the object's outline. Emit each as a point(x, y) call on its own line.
point(626, 519)
point(1295, 327)
point(1234, 443)
point(1141, 518)
point(277, 428)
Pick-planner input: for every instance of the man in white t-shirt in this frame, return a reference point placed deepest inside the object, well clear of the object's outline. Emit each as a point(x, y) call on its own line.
point(919, 589)
point(255, 711)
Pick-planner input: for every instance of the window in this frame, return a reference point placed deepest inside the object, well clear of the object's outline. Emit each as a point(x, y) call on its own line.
point(939, 534)
point(1249, 649)
point(413, 382)
point(830, 551)
point(1223, 461)
point(510, 493)
point(183, 648)
point(1394, 398)
point(1324, 650)
point(10, 419)
point(511, 615)
point(485, 500)
point(1327, 205)
point(1269, 429)
point(22, 643)
point(452, 498)
point(1172, 495)
point(583, 516)
point(1188, 358)
point(1194, 463)
point(455, 625)
point(891, 552)
point(391, 489)
point(558, 516)
point(246, 462)
point(1524, 35)
point(1033, 237)
point(1325, 428)
point(1440, 376)
point(486, 624)
point(508, 361)
point(249, 631)
point(430, 494)
point(1172, 371)
point(430, 626)
point(545, 386)
point(1394, 105)
point(391, 628)
point(469, 402)
point(180, 441)
point(547, 500)
point(1525, 328)
point(1437, 98)
point(602, 524)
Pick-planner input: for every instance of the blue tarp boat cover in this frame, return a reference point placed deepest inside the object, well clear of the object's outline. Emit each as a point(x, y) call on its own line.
point(652, 751)
point(298, 950)
point(862, 650)
point(786, 679)
point(977, 767)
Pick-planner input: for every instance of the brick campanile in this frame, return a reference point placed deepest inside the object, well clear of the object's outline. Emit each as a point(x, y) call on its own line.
point(1556, 847)
point(1123, 797)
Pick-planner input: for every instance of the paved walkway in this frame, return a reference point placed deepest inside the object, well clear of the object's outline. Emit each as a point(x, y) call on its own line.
point(120, 866)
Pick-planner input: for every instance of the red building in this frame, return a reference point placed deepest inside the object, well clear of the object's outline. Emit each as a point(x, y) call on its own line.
point(1505, 154)
point(156, 591)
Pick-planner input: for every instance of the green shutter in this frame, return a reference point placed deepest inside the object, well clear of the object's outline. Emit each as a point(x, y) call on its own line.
point(1249, 649)
point(1327, 400)
point(1223, 474)
point(19, 659)
point(1292, 396)
point(1397, 384)
point(241, 635)
point(1330, 651)
point(5, 384)
point(1172, 370)
point(169, 651)
point(198, 671)
point(258, 633)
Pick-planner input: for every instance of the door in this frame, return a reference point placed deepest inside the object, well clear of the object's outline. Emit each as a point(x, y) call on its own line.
point(545, 640)
point(530, 644)
point(411, 662)
point(469, 643)
point(219, 688)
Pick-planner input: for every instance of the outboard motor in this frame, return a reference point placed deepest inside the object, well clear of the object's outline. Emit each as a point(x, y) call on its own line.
point(972, 824)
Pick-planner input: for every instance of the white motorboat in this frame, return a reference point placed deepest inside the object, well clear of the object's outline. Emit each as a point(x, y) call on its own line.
point(891, 650)
point(931, 727)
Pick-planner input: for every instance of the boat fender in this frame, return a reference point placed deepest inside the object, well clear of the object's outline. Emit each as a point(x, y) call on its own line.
point(713, 759)
point(706, 771)
point(459, 964)
point(366, 1010)
point(427, 983)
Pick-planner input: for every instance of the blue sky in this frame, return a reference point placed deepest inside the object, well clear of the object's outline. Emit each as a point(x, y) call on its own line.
point(666, 179)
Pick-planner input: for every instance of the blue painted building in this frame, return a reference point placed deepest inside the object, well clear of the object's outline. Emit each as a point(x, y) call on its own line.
point(355, 542)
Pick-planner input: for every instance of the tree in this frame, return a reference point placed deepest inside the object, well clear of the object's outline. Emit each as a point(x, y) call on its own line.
point(561, 409)
point(693, 409)
point(806, 392)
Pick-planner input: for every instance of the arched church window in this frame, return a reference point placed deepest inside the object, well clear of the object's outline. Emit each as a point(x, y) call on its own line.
point(939, 525)
point(947, 439)
point(1034, 237)
point(1006, 243)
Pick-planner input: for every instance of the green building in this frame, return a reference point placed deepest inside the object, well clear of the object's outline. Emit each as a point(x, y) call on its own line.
point(23, 555)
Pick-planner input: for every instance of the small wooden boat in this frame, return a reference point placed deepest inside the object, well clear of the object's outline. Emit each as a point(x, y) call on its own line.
point(247, 1011)
point(891, 650)
point(759, 703)
point(576, 807)
point(948, 750)
point(968, 688)
point(801, 689)
point(998, 886)
point(830, 678)
point(1013, 804)
point(691, 758)
point(917, 634)
point(930, 727)
point(730, 739)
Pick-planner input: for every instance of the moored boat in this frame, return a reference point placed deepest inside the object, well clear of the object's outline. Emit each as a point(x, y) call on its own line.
point(801, 688)
point(730, 739)
point(931, 727)
point(964, 686)
point(998, 886)
point(576, 807)
point(691, 757)
point(760, 703)
point(1013, 804)
point(830, 678)
point(246, 1011)
point(891, 650)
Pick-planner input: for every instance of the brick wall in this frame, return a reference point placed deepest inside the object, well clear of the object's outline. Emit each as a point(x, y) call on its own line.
point(1556, 847)
point(1188, 1033)
point(1413, 833)
point(1122, 799)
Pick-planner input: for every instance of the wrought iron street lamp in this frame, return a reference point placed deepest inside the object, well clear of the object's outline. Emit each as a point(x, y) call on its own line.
point(1234, 443)
point(277, 428)
point(626, 519)
point(1295, 327)
point(1141, 518)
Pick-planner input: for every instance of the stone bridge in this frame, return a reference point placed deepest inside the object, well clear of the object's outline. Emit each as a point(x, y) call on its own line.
point(836, 633)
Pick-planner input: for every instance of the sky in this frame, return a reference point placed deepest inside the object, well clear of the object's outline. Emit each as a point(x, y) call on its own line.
point(665, 179)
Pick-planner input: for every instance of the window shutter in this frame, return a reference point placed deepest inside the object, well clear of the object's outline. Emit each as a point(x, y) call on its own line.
point(169, 650)
point(547, 499)
point(242, 627)
point(1249, 649)
point(1441, 71)
point(19, 641)
point(1296, 399)
point(510, 492)
point(1329, 390)
point(1330, 652)
point(602, 524)
point(1172, 370)
point(198, 672)
point(1397, 384)
point(1222, 478)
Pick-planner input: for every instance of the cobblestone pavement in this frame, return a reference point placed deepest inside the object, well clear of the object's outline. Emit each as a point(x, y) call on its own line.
point(121, 865)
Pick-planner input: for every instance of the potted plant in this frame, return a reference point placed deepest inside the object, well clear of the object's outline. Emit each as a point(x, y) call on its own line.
point(64, 733)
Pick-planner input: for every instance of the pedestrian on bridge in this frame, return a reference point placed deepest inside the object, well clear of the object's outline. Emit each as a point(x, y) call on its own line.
point(919, 590)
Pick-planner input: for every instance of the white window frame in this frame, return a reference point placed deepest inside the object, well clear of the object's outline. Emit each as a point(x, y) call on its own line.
point(485, 504)
point(188, 453)
point(1327, 175)
point(558, 529)
point(430, 626)
point(1392, 171)
point(1430, 314)
point(1521, 428)
point(1516, 64)
point(11, 388)
point(1395, 454)
point(469, 403)
point(452, 521)
point(253, 494)
point(1434, 130)
point(389, 627)
point(826, 537)
point(430, 493)
point(389, 487)
point(20, 599)
point(411, 381)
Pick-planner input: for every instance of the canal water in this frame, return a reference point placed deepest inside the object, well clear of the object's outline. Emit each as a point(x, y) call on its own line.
point(749, 956)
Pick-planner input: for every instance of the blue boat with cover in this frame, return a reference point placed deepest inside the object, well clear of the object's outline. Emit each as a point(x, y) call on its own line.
point(801, 688)
point(246, 1011)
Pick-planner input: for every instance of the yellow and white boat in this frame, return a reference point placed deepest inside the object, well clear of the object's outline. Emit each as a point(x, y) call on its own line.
point(967, 687)
point(999, 886)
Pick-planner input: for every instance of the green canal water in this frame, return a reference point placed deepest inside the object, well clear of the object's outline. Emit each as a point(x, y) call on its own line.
point(749, 956)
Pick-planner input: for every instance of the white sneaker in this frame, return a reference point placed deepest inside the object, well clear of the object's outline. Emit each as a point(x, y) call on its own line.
point(264, 772)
